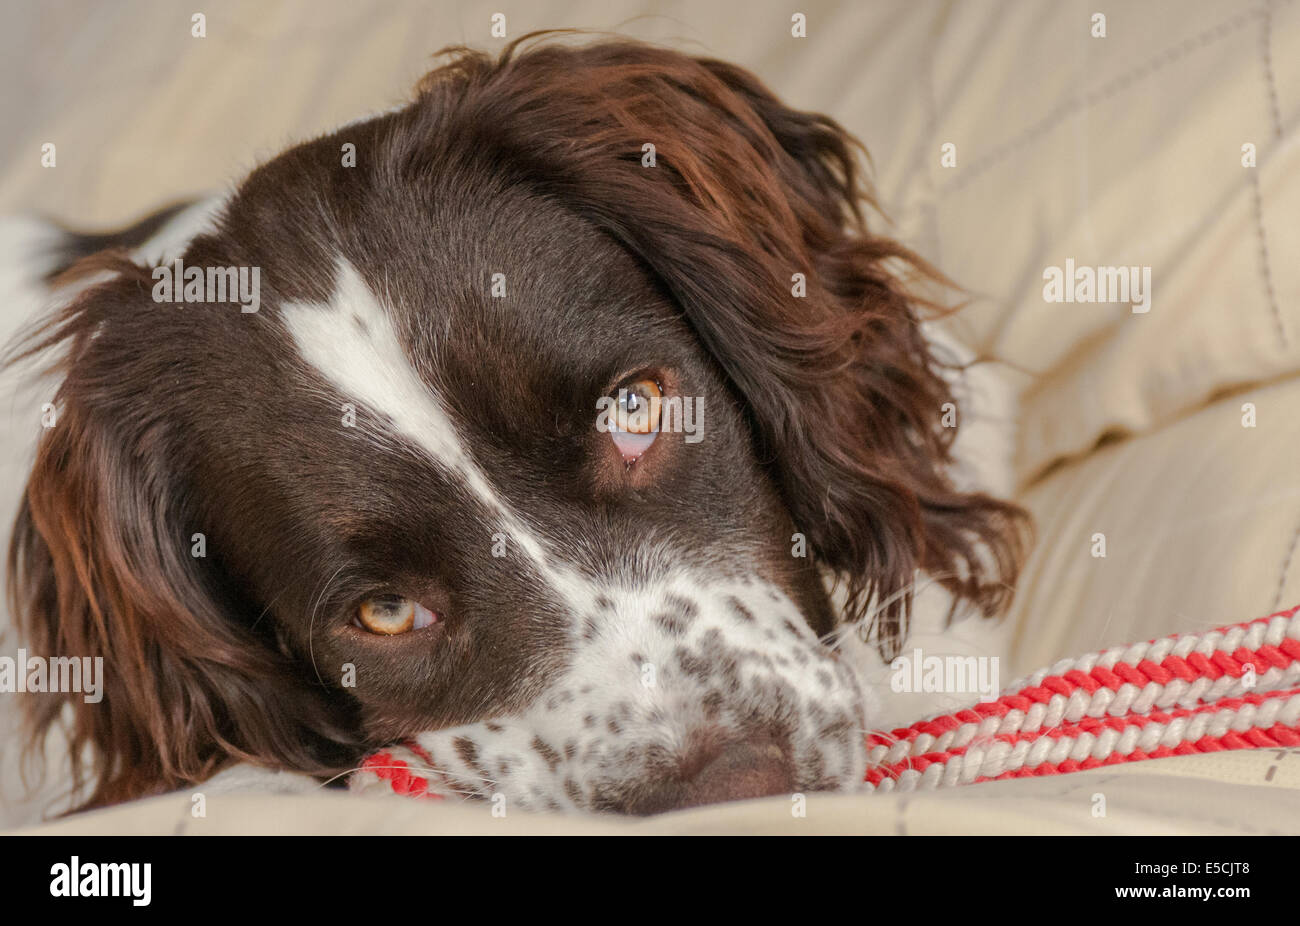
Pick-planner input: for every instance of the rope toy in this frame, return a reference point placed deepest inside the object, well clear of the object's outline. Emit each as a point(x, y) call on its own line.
point(1237, 687)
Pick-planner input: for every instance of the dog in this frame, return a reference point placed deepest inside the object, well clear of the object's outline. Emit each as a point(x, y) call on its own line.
point(571, 411)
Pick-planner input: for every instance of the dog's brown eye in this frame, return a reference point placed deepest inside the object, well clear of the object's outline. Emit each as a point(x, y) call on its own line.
point(392, 614)
point(638, 407)
point(635, 421)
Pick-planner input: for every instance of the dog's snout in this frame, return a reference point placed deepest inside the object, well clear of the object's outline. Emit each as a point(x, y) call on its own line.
point(733, 772)
point(743, 770)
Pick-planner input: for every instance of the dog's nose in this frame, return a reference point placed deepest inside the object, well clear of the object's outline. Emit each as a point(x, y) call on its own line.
point(735, 772)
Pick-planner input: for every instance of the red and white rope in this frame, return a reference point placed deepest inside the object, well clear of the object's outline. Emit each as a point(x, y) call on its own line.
point(403, 768)
point(1237, 687)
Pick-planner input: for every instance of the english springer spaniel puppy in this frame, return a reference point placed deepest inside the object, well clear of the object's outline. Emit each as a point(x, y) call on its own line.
point(541, 412)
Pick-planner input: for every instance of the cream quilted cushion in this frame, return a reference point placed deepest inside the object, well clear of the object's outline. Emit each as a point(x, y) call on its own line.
point(1117, 151)
point(1124, 151)
point(1201, 522)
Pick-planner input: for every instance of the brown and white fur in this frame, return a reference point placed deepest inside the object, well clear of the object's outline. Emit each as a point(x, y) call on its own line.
point(412, 412)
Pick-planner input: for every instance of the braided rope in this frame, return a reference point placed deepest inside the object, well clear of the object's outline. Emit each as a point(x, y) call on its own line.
point(395, 769)
point(1237, 687)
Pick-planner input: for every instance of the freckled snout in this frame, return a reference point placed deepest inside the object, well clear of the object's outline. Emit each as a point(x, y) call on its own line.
point(676, 695)
point(713, 774)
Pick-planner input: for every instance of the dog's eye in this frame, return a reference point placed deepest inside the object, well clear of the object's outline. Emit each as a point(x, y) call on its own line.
point(636, 419)
point(638, 407)
point(392, 614)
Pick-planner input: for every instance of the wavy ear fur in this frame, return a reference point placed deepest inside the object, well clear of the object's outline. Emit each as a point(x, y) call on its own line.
point(100, 566)
point(845, 396)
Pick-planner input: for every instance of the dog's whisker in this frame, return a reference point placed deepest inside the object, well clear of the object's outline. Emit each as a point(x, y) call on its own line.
point(311, 623)
point(439, 773)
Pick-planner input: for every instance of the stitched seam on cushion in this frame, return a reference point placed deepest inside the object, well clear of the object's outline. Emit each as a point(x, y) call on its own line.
point(1265, 268)
point(1286, 569)
point(1103, 93)
point(932, 140)
point(1270, 91)
point(1270, 82)
point(900, 816)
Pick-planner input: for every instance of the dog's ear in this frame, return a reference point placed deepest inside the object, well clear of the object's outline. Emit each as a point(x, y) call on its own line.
point(753, 216)
point(100, 567)
point(864, 445)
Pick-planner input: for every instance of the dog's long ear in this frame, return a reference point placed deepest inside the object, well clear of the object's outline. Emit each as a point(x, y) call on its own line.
point(100, 567)
point(752, 215)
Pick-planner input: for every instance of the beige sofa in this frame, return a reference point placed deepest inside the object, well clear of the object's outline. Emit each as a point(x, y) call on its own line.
point(1170, 143)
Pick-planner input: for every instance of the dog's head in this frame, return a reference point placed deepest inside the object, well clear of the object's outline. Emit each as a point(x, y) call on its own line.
point(569, 381)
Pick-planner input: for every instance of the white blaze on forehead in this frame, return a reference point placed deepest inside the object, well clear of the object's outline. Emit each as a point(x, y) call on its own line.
point(366, 362)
